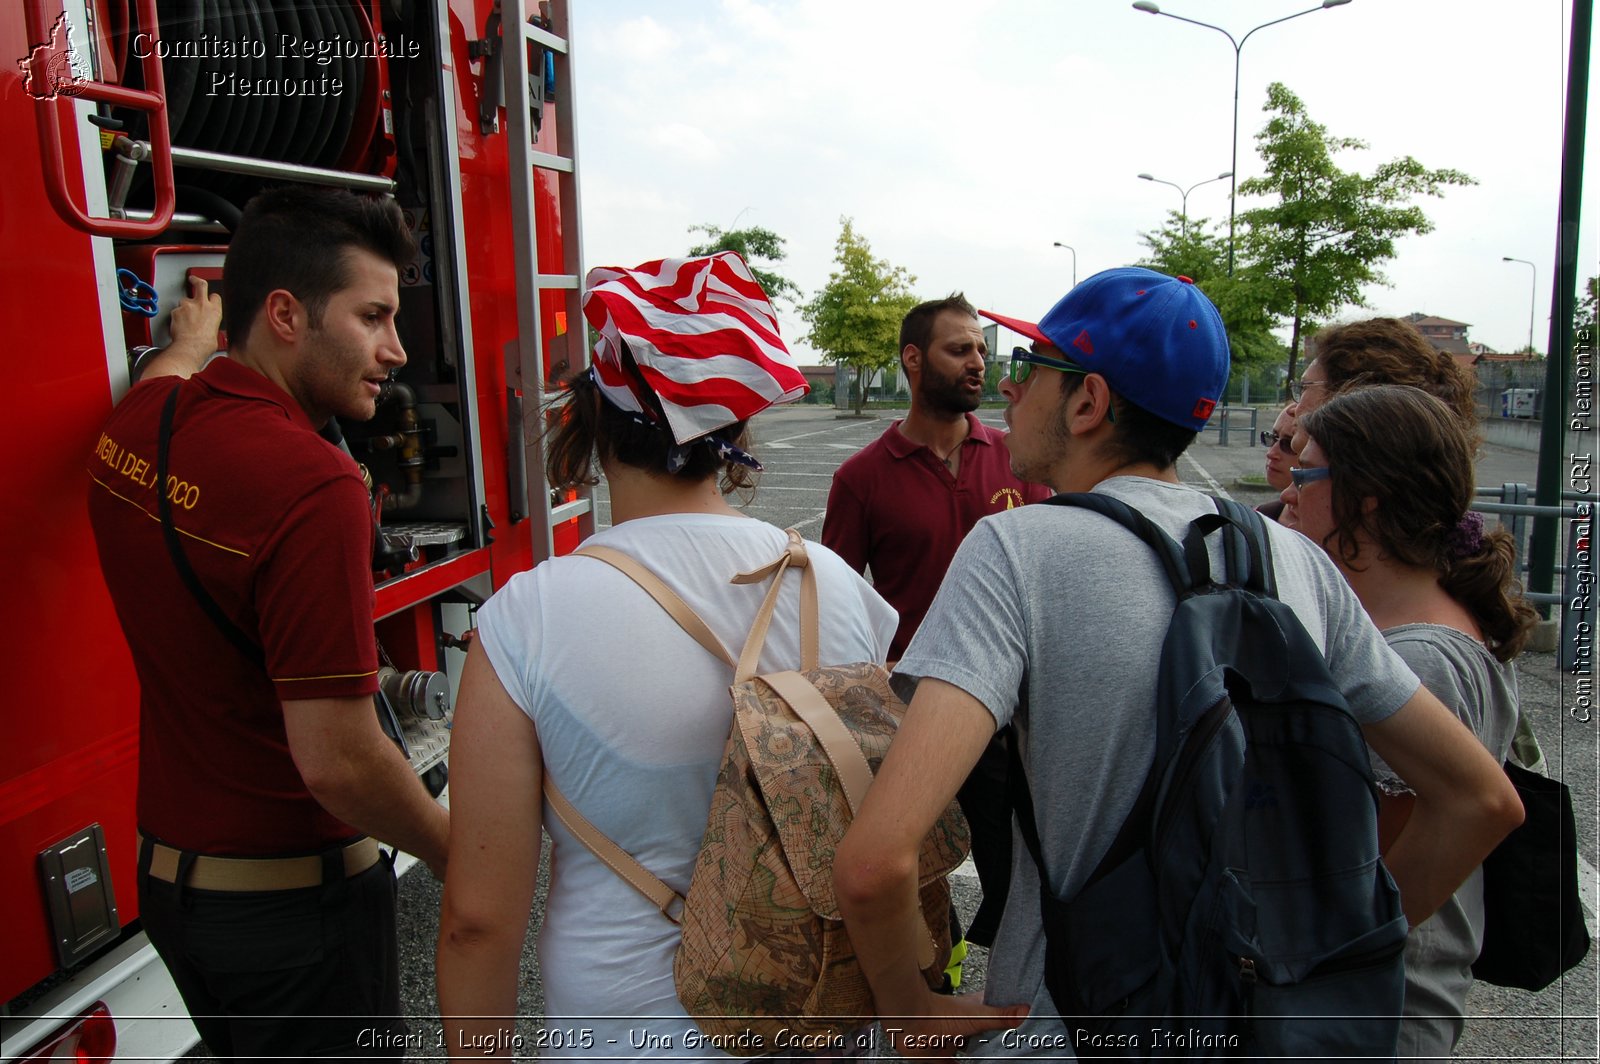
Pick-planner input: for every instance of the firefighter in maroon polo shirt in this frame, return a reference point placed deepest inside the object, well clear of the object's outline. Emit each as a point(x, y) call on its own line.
point(901, 507)
point(236, 544)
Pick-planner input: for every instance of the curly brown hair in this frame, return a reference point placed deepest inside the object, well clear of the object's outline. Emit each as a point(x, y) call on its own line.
point(1412, 455)
point(583, 428)
point(1390, 351)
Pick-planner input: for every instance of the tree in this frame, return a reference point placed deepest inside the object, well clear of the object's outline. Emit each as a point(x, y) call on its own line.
point(751, 244)
point(1583, 313)
point(1200, 253)
point(855, 317)
point(1329, 230)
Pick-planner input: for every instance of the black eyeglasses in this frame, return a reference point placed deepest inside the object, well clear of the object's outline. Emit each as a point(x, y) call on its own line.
point(1302, 477)
point(1270, 439)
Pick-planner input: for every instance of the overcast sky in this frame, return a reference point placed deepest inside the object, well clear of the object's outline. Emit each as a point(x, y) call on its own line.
point(964, 138)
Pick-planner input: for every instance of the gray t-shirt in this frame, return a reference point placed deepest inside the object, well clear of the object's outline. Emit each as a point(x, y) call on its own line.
point(1482, 691)
point(1080, 606)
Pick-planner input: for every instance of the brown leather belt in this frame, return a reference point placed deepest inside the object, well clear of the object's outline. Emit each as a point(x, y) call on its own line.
point(256, 873)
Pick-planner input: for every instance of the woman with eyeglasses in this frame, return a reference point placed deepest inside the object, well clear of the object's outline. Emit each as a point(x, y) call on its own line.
point(1443, 590)
point(1382, 351)
point(1279, 459)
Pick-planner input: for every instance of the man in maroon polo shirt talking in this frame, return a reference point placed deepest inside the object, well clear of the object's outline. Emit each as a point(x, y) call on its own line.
point(237, 545)
point(902, 505)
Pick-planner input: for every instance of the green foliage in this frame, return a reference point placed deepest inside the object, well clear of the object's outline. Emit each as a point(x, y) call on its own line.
point(1201, 254)
point(855, 317)
point(1583, 314)
point(752, 244)
point(992, 378)
point(1327, 231)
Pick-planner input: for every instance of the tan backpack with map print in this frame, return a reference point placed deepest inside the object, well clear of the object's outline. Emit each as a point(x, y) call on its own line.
point(764, 950)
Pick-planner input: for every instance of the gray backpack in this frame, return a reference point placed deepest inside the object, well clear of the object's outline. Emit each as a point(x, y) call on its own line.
point(1242, 909)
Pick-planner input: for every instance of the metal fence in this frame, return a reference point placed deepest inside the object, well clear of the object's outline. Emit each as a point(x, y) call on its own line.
point(1512, 503)
point(1511, 389)
point(1234, 424)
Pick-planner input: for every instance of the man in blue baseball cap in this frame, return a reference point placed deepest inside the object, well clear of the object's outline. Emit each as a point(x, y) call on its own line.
point(1052, 619)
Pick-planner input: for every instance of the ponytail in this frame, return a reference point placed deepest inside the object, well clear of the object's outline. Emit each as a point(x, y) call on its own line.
point(1482, 577)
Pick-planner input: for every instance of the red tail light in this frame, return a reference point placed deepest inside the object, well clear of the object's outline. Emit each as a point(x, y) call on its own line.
point(92, 1036)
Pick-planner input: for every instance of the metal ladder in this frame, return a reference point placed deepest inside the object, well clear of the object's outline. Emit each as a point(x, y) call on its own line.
point(525, 375)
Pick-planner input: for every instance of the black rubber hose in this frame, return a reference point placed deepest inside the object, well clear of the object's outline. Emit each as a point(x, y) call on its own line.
point(209, 203)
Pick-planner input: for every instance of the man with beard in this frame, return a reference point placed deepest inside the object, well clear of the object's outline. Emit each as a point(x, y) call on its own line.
point(902, 505)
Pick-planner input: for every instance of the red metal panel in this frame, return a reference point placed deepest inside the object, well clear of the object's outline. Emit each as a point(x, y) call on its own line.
point(70, 755)
point(410, 639)
point(69, 735)
point(491, 273)
point(424, 584)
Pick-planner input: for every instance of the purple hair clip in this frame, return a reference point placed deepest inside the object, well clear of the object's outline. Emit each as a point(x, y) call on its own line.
point(1466, 539)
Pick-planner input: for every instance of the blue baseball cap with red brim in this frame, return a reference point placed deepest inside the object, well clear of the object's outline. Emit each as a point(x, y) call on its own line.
point(1157, 340)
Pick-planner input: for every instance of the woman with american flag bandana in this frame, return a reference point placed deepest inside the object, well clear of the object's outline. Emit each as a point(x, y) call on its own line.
point(578, 675)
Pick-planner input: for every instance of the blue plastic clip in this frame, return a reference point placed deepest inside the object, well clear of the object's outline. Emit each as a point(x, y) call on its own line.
point(137, 296)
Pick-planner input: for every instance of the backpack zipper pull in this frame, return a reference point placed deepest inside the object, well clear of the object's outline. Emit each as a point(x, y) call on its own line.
point(1247, 970)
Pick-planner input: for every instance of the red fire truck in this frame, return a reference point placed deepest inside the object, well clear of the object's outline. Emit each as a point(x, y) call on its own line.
point(137, 129)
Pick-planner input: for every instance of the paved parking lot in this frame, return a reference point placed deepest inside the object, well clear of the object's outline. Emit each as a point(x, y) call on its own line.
point(802, 446)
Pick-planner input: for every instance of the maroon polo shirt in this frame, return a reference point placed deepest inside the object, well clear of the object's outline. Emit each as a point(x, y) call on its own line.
point(896, 507)
point(275, 522)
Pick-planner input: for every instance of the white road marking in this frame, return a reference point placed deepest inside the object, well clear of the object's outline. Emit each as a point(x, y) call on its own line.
point(1588, 881)
point(800, 436)
point(1211, 481)
point(966, 869)
point(799, 526)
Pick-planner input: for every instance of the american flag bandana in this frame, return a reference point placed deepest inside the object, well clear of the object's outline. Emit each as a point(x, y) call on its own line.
point(703, 335)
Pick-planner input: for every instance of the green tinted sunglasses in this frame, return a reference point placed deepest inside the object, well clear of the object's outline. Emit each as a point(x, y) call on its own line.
point(1023, 361)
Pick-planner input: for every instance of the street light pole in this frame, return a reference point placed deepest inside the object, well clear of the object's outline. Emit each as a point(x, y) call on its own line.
point(1184, 192)
point(1150, 8)
point(1070, 248)
point(1533, 295)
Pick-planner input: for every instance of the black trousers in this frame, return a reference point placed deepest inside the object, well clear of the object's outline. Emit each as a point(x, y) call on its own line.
point(284, 974)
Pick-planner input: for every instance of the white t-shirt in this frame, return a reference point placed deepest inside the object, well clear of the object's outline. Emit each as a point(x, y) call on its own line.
point(632, 717)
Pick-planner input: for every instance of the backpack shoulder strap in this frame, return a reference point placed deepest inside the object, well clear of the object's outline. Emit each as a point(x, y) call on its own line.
point(665, 597)
point(180, 560)
point(614, 857)
point(1252, 528)
point(1132, 835)
point(1168, 553)
point(1246, 557)
point(794, 556)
